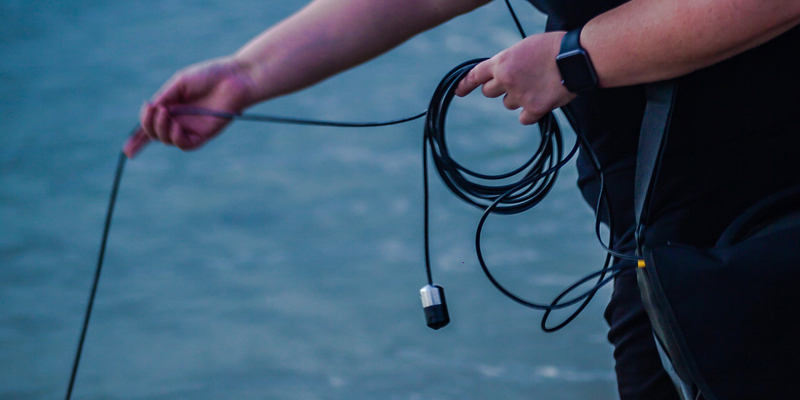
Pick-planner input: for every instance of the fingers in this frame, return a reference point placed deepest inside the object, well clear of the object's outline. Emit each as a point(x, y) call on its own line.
point(528, 117)
point(174, 91)
point(493, 89)
point(197, 85)
point(479, 75)
point(146, 117)
point(158, 124)
point(170, 131)
point(510, 103)
point(182, 139)
point(152, 116)
point(483, 75)
point(163, 124)
point(135, 143)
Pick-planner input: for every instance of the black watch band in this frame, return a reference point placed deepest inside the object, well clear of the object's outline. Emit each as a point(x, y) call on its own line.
point(577, 71)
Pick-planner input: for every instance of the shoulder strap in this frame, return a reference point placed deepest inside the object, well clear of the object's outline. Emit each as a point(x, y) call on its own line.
point(652, 140)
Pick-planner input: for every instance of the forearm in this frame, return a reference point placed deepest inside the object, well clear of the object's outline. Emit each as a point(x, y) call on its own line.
point(330, 36)
point(652, 40)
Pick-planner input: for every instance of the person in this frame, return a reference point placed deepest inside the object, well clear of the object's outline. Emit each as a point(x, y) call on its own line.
point(733, 135)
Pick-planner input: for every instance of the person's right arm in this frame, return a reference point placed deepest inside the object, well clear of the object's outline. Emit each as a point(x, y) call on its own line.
point(324, 38)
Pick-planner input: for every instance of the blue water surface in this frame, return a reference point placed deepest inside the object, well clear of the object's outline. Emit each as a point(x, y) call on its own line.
point(278, 262)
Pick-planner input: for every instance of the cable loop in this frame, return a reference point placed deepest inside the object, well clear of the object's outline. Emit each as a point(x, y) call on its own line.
point(535, 179)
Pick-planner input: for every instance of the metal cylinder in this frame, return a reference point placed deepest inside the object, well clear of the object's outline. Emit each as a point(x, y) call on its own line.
point(435, 306)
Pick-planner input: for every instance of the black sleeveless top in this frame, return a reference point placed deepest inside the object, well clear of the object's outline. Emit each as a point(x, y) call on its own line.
point(734, 137)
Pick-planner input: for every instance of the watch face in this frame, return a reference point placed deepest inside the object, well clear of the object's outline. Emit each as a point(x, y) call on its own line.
point(576, 71)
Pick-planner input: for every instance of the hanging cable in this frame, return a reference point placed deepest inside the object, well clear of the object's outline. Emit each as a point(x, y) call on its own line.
point(106, 227)
point(118, 178)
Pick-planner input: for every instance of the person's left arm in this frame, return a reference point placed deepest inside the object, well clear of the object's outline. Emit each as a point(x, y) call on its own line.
point(640, 41)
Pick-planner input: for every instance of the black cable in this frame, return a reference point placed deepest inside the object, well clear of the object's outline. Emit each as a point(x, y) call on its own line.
point(539, 174)
point(112, 201)
point(184, 110)
point(536, 178)
point(516, 20)
point(549, 127)
point(118, 178)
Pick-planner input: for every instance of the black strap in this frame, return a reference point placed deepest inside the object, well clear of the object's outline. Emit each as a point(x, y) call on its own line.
point(652, 140)
point(571, 41)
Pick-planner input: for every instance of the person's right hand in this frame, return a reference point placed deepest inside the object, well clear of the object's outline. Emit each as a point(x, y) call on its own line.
point(220, 84)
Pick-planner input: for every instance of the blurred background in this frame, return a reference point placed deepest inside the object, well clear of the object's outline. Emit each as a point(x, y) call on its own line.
point(278, 262)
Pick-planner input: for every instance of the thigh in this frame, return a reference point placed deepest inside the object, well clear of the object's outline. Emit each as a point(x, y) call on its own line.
point(640, 374)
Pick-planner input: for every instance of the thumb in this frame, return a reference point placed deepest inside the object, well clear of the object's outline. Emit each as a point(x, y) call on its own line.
point(174, 91)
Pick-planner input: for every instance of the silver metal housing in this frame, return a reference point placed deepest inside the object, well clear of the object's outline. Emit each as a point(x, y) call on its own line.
point(430, 296)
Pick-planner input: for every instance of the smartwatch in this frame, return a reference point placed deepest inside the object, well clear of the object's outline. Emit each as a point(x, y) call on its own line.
point(577, 71)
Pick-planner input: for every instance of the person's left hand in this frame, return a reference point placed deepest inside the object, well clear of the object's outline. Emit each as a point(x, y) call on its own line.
point(526, 73)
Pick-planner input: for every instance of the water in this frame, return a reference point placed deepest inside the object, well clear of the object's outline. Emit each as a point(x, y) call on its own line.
point(278, 262)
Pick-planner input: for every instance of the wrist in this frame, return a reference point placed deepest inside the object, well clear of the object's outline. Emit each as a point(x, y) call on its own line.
point(250, 74)
point(574, 64)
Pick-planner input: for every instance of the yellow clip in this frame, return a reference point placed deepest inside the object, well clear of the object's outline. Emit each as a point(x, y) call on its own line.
point(641, 264)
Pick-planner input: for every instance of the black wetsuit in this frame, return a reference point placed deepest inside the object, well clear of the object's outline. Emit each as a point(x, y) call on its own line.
point(734, 139)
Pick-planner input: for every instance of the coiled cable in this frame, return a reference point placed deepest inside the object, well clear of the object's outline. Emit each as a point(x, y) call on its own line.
point(534, 180)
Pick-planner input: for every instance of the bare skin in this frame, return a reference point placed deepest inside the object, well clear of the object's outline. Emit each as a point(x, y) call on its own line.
point(321, 40)
point(535, 90)
point(640, 41)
